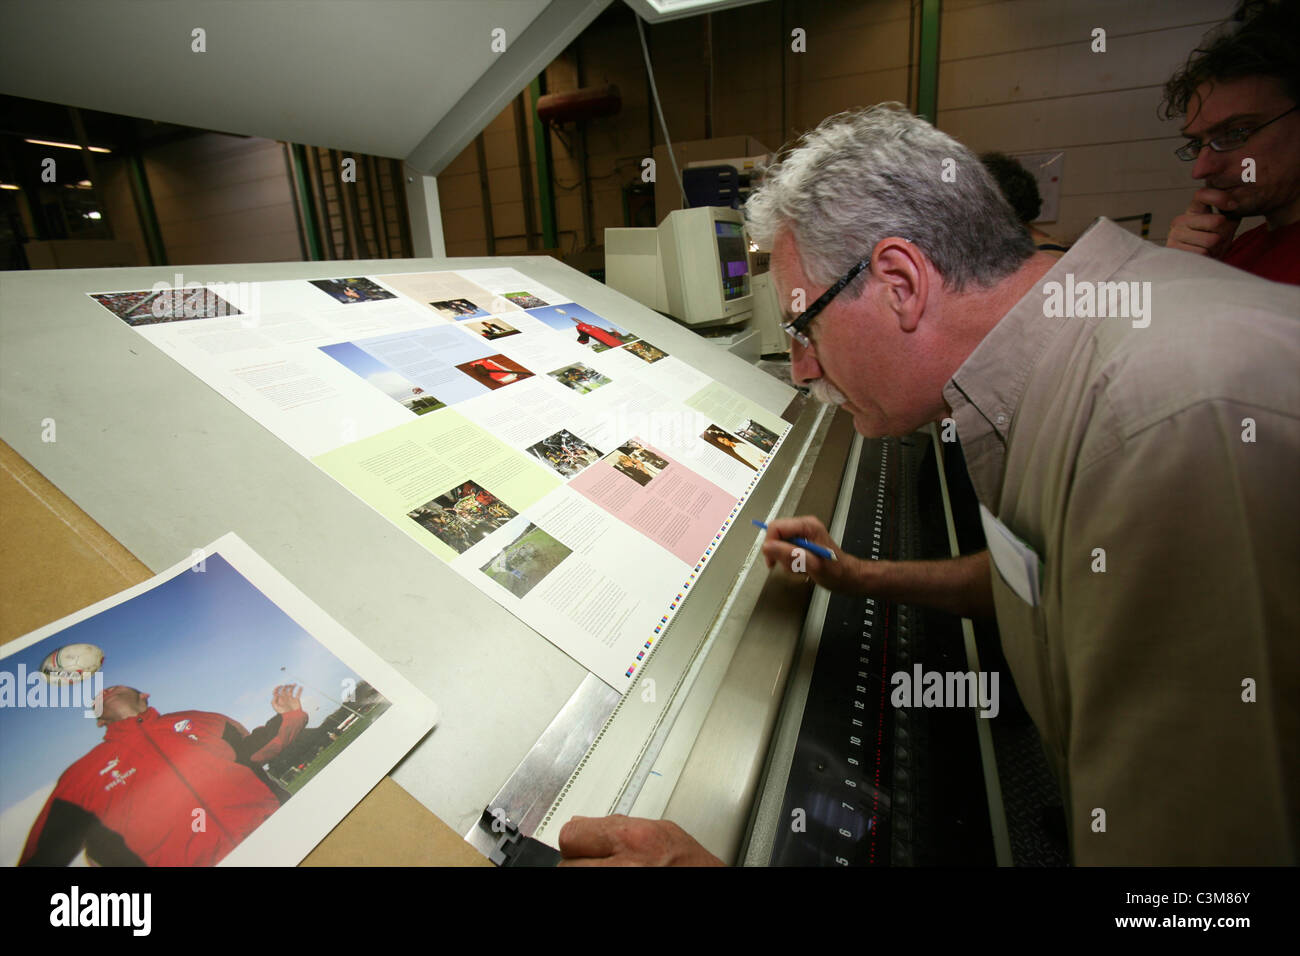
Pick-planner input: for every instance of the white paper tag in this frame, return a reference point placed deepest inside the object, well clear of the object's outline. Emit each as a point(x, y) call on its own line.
point(1015, 560)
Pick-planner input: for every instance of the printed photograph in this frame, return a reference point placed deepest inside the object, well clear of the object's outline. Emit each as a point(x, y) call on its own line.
point(458, 309)
point(732, 446)
point(637, 462)
point(526, 300)
point(581, 378)
point(212, 709)
point(179, 305)
point(348, 291)
point(587, 328)
point(564, 452)
point(389, 381)
point(644, 350)
point(464, 516)
point(495, 371)
point(491, 328)
point(642, 453)
point(756, 434)
point(522, 564)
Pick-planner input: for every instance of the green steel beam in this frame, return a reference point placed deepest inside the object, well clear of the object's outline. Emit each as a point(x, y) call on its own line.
point(305, 203)
point(545, 185)
point(144, 209)
point(927, 87)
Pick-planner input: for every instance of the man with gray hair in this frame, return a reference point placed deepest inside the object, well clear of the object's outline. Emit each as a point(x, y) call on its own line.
point(1131, 421)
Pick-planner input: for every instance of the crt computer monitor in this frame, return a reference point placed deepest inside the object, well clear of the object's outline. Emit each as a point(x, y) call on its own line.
point(705, 260)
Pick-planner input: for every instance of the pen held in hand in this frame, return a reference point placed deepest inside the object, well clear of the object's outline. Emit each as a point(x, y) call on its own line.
point(816, 549)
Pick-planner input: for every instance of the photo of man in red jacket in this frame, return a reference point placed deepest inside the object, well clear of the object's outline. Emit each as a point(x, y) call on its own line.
point(178, 789)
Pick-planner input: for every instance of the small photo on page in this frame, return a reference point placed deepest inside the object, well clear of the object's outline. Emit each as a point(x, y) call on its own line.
point(756, 434)
point(565, 452)
point(644, 350)
point(464, 516)
point(637, 462)
point(522, 564)
point(587, 328)
point(581, 378)
point(491, 329)
point(458, 309)
point(149, 307)
point(495, 371)
point(389, 381)
point(349, 291)
point(730, 445)
point(526, 300)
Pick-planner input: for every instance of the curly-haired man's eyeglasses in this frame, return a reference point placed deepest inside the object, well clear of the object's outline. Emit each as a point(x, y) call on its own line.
point(1229, 140)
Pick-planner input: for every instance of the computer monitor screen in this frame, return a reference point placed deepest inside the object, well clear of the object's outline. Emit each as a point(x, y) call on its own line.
point(732, 259)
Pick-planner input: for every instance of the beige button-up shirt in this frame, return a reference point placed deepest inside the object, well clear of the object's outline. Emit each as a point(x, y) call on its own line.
point(1164, 448)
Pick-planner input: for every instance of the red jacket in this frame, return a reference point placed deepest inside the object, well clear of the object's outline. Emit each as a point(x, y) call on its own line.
point(132, 799)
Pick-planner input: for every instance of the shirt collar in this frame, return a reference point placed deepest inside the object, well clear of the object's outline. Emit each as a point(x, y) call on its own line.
point(985, 391)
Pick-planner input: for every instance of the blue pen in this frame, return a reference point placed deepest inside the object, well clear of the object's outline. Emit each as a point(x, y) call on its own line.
point(816, 549)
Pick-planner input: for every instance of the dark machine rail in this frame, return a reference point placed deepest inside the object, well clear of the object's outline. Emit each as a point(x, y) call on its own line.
point(872, 784)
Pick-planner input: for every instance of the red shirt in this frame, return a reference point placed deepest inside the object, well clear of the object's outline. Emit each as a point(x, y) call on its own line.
point(1268, 253)
point(144, 782)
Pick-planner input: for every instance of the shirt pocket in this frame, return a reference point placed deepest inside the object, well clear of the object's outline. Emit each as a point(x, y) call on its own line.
point(1023, 629)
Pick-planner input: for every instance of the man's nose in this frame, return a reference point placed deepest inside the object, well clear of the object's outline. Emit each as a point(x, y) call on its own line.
point(804, 366)
point(1208, 163)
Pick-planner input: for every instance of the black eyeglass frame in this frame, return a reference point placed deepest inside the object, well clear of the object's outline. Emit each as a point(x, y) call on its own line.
point(795, 329)
point(1188, 154)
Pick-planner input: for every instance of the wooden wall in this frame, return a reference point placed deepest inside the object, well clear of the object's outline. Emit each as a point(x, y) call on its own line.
point(1020, 76)
point(857, 54)
point(1015, 76)
point(223, 199)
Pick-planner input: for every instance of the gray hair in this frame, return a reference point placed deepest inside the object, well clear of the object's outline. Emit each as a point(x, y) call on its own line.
point(868, 174)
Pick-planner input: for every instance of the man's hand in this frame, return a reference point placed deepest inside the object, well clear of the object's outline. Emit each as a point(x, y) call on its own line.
point(1200, 229)
point(846, 573)
point(629, 841)
point(285, 699)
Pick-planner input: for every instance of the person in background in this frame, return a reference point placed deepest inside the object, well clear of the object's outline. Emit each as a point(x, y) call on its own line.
point(1240, 94)
point(1020, 189)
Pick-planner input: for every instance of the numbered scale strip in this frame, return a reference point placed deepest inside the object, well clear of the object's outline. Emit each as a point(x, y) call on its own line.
point(871, 784)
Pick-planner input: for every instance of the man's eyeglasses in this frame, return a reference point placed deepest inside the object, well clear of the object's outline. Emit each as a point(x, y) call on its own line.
point(1227, 141)
point(796, 327)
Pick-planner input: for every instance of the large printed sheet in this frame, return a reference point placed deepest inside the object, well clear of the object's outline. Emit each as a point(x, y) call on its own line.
point(573, 472)
point(210, 715)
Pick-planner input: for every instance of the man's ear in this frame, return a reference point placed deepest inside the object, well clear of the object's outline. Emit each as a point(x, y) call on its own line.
point(901, 270)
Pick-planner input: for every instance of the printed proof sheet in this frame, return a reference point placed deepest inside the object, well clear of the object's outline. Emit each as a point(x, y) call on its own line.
point(210, 715)
point(574, 472)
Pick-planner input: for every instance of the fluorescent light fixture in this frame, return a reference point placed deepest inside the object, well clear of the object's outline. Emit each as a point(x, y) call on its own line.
point(656, 11)
point(47, 142)
point(8, 186)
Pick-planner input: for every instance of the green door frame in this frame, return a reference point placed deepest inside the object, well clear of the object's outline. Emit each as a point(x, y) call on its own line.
point(545, 185)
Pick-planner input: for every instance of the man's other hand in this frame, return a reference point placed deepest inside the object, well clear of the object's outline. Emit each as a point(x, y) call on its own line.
point(630, 841)
point(1201, 229)
point(285, 699)
point(843, 574)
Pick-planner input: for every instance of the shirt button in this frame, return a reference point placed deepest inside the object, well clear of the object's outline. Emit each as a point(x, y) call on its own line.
point(1002, 419)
